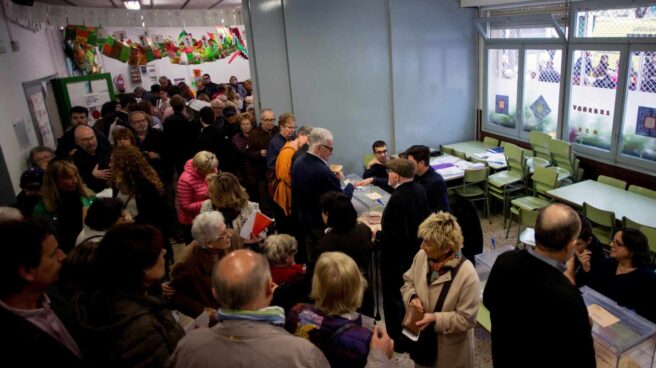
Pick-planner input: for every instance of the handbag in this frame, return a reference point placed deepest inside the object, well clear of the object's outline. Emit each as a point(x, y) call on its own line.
point(424, 350)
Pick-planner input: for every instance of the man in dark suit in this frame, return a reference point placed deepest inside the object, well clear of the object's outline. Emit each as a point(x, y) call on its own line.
point(92, 158)
point(311, 177)
point(538, 316)
point(397, 239)
point(66, 146)
point(37, 325)
point(427, 177)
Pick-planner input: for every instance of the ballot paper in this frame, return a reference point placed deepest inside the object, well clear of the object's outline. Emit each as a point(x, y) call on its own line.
point(601, 316)
point(203, 320)
point(374, 196)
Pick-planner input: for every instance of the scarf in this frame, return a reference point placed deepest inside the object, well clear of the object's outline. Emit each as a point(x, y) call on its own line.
point(273, 315)
point(437, 269)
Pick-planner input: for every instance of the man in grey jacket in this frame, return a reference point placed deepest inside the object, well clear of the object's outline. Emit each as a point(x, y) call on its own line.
point(250, 332)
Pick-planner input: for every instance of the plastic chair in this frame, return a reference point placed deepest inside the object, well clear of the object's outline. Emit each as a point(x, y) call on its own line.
point(527, 218)
point(627, 222)
point(460, 155)
point(603, 222)
point(617, 183)
point(563, 158)
point(540, 144)
point(470, 186)
point(544, 179)
point(642, 191)
point(650, 233)
point(492, 142)
point(366, 158)
point(503, 184)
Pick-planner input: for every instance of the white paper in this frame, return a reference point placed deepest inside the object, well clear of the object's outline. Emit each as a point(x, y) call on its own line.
point(42, 119)
point(99, 85)
point(601, 316)
point(247, 228)
point(76, 92)
point(203, 320)
point(410, 335)
point(374, 196)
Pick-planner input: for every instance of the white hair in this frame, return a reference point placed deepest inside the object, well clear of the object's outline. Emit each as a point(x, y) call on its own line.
point(319, 136)
point(207, 227)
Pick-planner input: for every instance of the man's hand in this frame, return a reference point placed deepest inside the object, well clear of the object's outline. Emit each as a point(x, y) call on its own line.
point(72, 152)
point(381, 340)
point(167, 290)
point(427, 320)
point(584, 258)
point(263, 153)
point(211, 312)
point(153, 155)
point(101, 174)
point(416, 303)
point(367, 181)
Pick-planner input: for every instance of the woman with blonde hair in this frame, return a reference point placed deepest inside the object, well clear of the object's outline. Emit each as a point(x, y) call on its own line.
point(443, 286)
point(192, 189)
point(230, 198)
point(65, 201)
point(332, 323)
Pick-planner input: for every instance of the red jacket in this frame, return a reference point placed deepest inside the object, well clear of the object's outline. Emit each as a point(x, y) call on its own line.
point(192, 191)
point(284, 274)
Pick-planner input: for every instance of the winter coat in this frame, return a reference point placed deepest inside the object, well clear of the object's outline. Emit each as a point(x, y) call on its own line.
point(192, 191)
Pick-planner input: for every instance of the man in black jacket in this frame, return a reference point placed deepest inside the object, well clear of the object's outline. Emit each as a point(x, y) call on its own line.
point(431, 180)
point(179, 136)
point(397, 239)
point(66, 146)
point(538, 316)
point(92, 158)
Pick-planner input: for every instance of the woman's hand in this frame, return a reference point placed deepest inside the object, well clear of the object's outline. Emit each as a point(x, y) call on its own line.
point(167, 290)
point(416, 303)
point(427, 320)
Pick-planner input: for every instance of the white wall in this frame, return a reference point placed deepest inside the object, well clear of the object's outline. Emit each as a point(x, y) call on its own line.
point(399, 70)
point(35, 59)
point(219, 70)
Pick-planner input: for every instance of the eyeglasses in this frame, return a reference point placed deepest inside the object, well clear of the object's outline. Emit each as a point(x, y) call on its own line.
point(88, 139)
point(268, 120)
point(380, 152)
point(327, 147)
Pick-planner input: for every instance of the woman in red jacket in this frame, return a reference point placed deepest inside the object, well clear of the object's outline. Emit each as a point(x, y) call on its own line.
point(192, 189)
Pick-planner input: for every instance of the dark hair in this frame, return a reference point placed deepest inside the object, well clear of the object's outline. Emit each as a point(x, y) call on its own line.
point(221, 89)
point(32, 179)
point(206, 115)
point(341, 213)
point(556, 232)
point(636, 242)
point(419, 153)
point(80, 110)
point(155, 88)
point(126, 99)
point(108, 108)
point(77, 268)
point(173, 90)
point(229, 111)
point(378, 144)
point(586, 228)
point(103, 213)
point(177, 103)
point(35, 150)
point(135, 247)
point(22, 247)
point(206, 75)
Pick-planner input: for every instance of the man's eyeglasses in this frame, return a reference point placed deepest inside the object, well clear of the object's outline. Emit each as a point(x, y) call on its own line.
point(268, 120)
point(88, 139)
point(381, 152)
point(327, 147)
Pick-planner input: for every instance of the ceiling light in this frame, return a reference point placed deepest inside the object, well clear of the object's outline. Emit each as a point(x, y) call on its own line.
point(132, 4)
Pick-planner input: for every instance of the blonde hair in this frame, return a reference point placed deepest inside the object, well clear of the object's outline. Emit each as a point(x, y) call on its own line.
point(337, 284)
point(56, 169)
point(205, 162)
point(226, 192)
point(279, 247)
point(441, 231)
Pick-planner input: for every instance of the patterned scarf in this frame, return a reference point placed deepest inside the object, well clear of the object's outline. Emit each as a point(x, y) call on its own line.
point(273, 315)
point(437, 269)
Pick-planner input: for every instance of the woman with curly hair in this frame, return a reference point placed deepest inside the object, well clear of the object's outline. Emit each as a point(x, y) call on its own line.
point(65, 201)
point(136, 183)
point(230, 198)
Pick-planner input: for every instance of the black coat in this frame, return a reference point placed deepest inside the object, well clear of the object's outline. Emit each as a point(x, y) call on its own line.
point(379, 173)
point(465, 211)
point(214, 139)
point(86, 163)
point(538, 317)
point(436, 192)
point(66, 142)
point(179, 137)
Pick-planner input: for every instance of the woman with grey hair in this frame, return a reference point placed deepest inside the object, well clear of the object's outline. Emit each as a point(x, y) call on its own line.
point(191, 276)
point(280, 250)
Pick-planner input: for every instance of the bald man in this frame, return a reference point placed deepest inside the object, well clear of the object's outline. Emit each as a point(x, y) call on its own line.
point(92, 158)
point(250, 333)
point(538, 316)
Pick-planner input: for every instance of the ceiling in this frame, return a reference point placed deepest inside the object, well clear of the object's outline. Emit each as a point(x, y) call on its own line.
point(151, 4)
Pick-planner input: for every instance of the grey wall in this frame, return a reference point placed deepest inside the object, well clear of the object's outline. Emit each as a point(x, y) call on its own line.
point(399, 70)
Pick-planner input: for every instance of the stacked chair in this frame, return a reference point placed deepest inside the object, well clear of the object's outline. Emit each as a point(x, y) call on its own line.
point(503, 185)
point(544, 179)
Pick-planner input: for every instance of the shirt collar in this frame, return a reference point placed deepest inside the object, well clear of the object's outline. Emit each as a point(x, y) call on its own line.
point(319, 157)
point(45, 305)
point(550, 261)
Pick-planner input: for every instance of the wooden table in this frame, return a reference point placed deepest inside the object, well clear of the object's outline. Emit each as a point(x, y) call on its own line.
point(475, 148)
point(636, 207)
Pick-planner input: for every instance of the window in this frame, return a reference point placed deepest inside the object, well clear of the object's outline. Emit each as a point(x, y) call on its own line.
point(542, 76)
point(627, 22)
point(524, 32)
point(502, 75)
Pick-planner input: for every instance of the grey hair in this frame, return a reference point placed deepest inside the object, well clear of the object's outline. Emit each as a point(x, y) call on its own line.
point(265, 110)
point(320, 136)
point(207, 227)
point(279, 247)
point(304, 130)
point(237, 294)
point(10, 214)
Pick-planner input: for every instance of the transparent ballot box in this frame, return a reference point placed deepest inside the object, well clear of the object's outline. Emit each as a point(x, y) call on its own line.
point(486, 259)
point(368, 200)
point(622, 338)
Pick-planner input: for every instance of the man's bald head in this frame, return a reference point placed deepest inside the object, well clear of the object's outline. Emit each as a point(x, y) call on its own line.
point(557, 225)
point(85, 137)
point(241, 279)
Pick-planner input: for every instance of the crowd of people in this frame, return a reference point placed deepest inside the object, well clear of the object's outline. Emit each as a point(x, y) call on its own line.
point(90, 279)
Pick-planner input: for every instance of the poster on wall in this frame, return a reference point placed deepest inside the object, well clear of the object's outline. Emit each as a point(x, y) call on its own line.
point(646, 122)
point(42, 119)
point(501, 104)
point(540, 108)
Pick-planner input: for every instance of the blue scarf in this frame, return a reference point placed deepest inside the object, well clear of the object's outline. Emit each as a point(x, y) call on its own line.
point(273, 315)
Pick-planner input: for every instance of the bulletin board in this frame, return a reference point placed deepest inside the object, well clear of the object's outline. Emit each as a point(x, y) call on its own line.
point(90, 91)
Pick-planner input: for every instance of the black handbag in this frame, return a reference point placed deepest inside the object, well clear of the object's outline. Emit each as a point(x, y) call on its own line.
point(424, 350)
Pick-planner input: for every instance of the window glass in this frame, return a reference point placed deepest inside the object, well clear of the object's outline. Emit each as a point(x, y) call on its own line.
point(627, 22)
point(542, 76)
point(533, 32)
point(592, 97)
point(639, 128)
point(502, 70)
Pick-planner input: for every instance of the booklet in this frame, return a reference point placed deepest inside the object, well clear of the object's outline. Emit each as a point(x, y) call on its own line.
point(410, 328)
point(255, 224)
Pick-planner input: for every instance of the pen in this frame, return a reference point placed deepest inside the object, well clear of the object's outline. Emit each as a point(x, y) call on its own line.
point(494, 244)
point(381, 202)
point(497, 162)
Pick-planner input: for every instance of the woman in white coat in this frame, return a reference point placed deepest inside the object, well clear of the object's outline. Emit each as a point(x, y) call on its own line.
point(438, 263)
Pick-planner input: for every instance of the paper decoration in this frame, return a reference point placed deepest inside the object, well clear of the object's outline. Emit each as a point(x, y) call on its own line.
point(79, 46)
point(646, 121)
point(540, 108)
point(501, 104)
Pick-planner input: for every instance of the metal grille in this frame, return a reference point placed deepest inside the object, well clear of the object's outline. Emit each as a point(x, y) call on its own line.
point(642, 74)
point(627, 22)
point(596, 69)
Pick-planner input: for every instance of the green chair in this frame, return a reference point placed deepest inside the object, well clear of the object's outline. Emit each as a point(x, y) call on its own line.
point(650, 233)
point(603, 222)
point(627, 222)
point(366, 158)
point(471, 187)
point(563, 158)
point(460, 154)
point(447, 150)
point(540, 144)
point(544, 180)
point(492, 142)
point(483, 318)
point(643, 191)
point(504, 185)
point(617, 183)
point(527, 218)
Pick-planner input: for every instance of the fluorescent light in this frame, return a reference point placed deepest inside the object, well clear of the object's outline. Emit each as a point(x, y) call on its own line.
point(132, 4)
